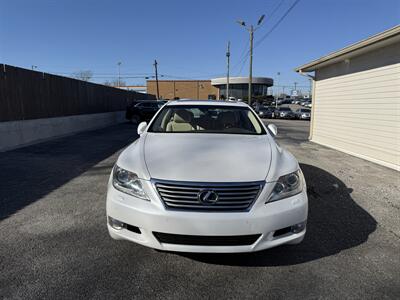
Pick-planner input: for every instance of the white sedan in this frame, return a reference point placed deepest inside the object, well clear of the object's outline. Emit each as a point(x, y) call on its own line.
point(207, 176)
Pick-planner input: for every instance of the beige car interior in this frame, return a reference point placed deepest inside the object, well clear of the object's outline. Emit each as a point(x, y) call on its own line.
point(184, 121)
point(181, 121)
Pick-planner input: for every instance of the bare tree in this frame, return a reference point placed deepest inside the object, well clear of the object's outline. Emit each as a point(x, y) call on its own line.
point(114, 82)
point(84, 75)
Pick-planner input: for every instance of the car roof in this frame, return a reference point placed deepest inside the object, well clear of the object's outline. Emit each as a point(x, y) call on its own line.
point(207, 102)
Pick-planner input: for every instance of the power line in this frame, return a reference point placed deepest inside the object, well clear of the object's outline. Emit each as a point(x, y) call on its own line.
point(246, 51)
point(292, 85)
point(193, 77)
point(275, 9)
point(243, 64)
point(244, 55)
point(276, 24)
point(100, 74)
point(138, 75)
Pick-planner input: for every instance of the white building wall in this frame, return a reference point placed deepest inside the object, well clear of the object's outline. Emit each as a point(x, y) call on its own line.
point(359, 113)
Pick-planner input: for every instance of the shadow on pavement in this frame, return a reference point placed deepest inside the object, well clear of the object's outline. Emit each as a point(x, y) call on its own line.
point(335, 223)
point(29, 173)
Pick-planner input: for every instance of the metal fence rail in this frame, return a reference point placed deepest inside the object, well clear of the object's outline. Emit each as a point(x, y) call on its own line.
point(26, 94)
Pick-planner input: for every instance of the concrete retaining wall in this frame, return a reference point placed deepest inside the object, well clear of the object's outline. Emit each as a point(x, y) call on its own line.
point(15, 134)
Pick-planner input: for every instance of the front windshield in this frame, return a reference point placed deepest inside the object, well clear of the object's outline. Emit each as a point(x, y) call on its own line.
point(206, 119)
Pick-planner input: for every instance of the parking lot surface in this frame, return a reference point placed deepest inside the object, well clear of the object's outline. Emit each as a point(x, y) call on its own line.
point(54, 242)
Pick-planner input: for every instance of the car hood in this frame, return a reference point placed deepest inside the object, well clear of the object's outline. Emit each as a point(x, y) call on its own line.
point(207, 157)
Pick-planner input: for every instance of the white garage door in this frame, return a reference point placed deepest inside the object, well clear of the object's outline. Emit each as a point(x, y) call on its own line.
point(359, 114)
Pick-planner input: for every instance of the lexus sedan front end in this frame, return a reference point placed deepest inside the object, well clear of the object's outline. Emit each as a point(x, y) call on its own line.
point(207, 176)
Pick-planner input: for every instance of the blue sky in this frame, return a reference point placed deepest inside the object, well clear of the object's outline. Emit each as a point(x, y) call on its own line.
point(188, 38)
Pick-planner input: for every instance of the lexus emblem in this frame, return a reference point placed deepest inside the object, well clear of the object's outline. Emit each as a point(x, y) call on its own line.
point(207, 196)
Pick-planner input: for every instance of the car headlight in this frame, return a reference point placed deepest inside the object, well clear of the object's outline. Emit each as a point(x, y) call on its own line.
point(128, 182)
point(287, 186)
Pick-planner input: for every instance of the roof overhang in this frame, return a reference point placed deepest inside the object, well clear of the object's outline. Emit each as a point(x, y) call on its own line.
point(243, 80)
point(379, 40)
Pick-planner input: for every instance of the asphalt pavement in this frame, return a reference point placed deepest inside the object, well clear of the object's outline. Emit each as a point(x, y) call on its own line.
point(54, 242)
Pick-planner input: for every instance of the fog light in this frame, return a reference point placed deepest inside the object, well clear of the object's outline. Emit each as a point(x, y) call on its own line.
point(117, 225)
point(298, 227)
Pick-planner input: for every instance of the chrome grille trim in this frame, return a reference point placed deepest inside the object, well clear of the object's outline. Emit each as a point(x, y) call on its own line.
point(182, 195)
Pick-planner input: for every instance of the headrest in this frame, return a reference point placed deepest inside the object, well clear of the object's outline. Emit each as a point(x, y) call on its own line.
point(183, 116)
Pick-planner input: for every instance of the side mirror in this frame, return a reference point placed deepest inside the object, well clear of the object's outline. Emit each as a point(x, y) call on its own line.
point(141, 128)
point(273, 129)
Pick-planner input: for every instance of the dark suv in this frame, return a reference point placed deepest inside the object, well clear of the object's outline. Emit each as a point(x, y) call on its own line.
point(284, 113)
point(144, 110)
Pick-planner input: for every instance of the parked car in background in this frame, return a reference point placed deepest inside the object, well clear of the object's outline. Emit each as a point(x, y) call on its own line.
point(303, 114)
point(243, 194)
point(284, 113)
point(306, 103)
point(143, 110)
point(286, 101)
point(265, 112)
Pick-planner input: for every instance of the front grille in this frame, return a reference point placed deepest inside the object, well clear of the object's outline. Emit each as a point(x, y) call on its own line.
point(186, 195)
point(205, 240)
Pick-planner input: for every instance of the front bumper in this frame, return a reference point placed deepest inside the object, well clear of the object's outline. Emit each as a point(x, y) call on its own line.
point(151, 217)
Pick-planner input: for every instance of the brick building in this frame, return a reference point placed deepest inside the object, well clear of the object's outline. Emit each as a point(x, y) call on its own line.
point(191, 89)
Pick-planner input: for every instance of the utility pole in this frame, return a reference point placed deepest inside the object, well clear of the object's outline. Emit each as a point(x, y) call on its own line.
point(119, 73)
point(156, 71)
point(228, 54)
point(251, 63)
point(251, 29)
point(277, 93)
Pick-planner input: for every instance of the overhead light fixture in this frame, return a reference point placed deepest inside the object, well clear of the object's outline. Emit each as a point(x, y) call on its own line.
point(260, 19)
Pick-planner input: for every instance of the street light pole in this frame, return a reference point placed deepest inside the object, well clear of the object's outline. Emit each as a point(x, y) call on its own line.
point(228, 54)
point(251, 29)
